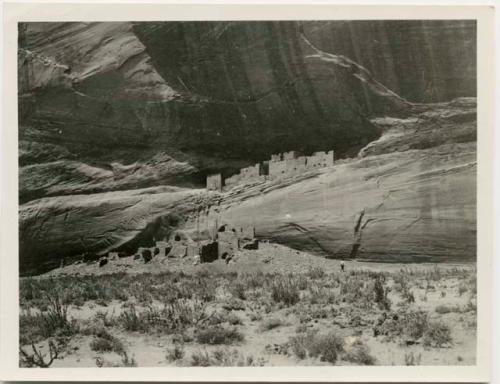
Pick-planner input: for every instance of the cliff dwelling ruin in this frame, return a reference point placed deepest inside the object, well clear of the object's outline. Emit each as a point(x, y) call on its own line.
point(280, 165)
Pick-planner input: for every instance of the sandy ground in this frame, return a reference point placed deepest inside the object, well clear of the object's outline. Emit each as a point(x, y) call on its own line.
point(268, 258)
point(348, 320)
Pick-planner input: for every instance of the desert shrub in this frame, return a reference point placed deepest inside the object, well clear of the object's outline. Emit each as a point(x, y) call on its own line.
point(409, 324)
point(326, 347)
point(270, 323)
point(233, 319)
point(54, 321)
point(204, 289)
point(284, 289)
point(462, 288)
point(414, 324)
point(381, 294)
point(175, 353)
point(170, 317)
point(253, 280)
point(435, 274)
point(130, 320)
point(351, 289)
point(437, 335)
point(201, 359)
point(316, 273)
point(36, 358)
point(219, 335)
point(184, 313)
point(412, 359)
point(128, 361)
point(320, 294)
point(103, 341)
point(473, 283)
point(234, 304)
point(359, 353)
point(104, 319)
point(237, 288)
point(254, 316)
point(443, 309)
point(223, 358)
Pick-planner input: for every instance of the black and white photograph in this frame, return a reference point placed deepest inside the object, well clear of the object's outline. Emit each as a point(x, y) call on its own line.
point(247, 193)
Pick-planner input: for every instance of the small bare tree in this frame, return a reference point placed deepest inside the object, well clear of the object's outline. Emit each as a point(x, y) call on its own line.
point(37, 359)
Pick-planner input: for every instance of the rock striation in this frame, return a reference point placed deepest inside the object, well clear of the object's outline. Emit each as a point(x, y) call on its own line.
point(120, 123)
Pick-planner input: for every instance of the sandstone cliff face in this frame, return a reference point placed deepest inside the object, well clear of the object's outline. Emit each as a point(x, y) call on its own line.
point(410, 196)
point(173, 101)
point(403, 199)
point(132, 108)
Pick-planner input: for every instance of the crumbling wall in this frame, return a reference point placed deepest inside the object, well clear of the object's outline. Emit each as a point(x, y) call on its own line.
point(228, 244)
point(320, 160)
point(291, 155)
point(163, 248)
point(209, 252)
point(247, 233)
point(252, 173)
point(277, 169)
point(295, 166)
point(214, 182)
point(282, 165)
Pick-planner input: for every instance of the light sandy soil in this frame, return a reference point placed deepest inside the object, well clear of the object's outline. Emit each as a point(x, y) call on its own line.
point(330, 302)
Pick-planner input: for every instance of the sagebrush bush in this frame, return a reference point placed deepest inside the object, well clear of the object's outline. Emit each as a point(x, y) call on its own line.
point(130, 320)
point(270, 323)
point(412, 359)
point(54, 321)
point(223, 358)
point(175, 353)
point(316, 273)
point(103, 341)
point(444, 309)
point(326, 347)
point(238, 289)
point(359, 353)
point(284, 289)
point(437, 335)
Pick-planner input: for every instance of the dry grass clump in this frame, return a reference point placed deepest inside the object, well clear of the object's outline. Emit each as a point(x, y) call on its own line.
point(238, 289)
point(175, 353)
point(359, 353)
point(167, 318)
point(408, 324)
point(103, 341)
point(316, 273)
point(219, 335)
point(437, 335)
point(285, 289)
point(326, 347)
point(444, 309)
point(270, 323)
point(412, 359)
point(223, 358)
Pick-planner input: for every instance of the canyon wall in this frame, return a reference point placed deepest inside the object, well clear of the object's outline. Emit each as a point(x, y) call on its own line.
point(119, 124)
point(116, 106)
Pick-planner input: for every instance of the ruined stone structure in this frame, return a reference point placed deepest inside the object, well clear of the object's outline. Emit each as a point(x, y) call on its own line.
point(281, 165)
point(293, 163)
point(226, 241)
point(215, 182)
point(252, 173)
point(163, 248)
